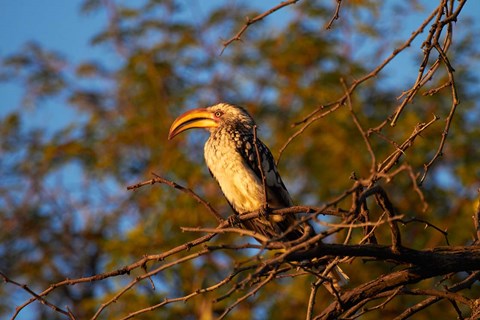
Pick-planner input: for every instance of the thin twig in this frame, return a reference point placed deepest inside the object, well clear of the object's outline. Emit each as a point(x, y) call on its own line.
point(392, 159)
point(427, 224)
point(364, 134)
point(145, 276)
point(311, 298)
point(184, 298)
point(190, 192)
point(335, 16)
point(312, 117)
point(251, 293)
point(36, 297)
point(249, 22)
point(243, 232)
point(449, 118)
point(466, 283)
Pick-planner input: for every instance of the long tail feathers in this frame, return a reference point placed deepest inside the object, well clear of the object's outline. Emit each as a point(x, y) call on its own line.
point(338, 279)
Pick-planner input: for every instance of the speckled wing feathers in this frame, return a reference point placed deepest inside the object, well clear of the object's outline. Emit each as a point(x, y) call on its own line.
point(278, 196)
point(277, 193)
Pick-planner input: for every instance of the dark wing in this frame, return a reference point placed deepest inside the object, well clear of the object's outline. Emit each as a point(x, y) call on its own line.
point(277, 194)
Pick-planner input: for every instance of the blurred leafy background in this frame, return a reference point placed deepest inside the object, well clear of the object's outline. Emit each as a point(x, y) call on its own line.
point(90, 89)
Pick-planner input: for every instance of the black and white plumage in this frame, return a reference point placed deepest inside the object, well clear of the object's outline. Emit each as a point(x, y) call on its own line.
point(231, 156)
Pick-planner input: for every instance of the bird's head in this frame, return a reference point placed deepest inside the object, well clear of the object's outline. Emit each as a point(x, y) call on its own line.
point(211, 118)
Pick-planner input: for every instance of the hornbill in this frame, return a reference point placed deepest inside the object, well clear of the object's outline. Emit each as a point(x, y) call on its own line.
point(232, 159)
point(231, 156)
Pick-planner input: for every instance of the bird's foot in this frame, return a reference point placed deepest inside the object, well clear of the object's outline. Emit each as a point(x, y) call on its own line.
point(234, 221)
point(264, 211)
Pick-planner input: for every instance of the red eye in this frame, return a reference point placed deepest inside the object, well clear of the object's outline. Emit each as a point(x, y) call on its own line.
point(218, 114)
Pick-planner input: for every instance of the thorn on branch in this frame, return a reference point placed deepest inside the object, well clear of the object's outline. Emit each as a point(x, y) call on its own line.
point(427, 224)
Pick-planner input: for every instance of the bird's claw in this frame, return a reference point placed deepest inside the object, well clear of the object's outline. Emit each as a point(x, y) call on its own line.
point(264, 212)
point(233, 220)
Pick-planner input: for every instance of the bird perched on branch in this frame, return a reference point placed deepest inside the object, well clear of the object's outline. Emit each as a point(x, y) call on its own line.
point(244, 168)
point(246, 172)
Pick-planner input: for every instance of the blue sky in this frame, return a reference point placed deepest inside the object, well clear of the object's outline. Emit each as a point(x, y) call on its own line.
point(58, 25)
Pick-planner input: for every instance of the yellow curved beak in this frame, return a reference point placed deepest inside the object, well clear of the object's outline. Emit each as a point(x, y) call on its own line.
point(196, 118)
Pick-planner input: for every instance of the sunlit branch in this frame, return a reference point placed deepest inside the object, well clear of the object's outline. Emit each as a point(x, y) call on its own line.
point(249, 22)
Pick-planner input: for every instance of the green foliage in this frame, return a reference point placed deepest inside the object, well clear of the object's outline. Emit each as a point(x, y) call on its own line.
point(64, 206)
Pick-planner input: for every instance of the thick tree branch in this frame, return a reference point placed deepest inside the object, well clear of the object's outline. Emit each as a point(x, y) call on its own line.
point(455, 259)
point(444, 261)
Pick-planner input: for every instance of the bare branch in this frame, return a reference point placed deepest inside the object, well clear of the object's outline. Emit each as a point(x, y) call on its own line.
point(391, 160)
point(36, 297)
point(360, 129)
point(249, 22)
point(335, 16)
point(407, 276)
point(427, 224)
point(251, 293)
point(175, 185)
